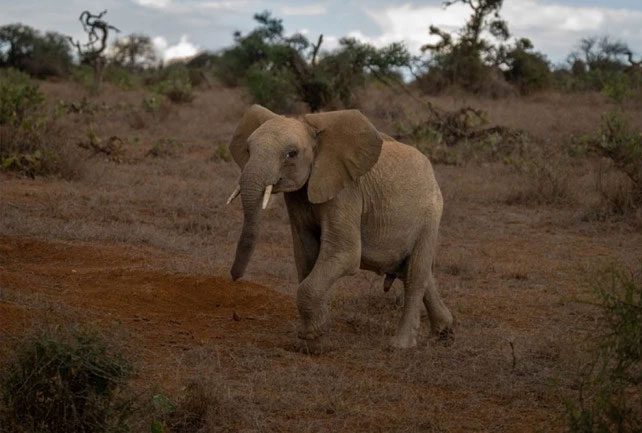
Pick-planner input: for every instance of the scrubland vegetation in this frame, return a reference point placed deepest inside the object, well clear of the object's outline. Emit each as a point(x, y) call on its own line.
point(116, 313)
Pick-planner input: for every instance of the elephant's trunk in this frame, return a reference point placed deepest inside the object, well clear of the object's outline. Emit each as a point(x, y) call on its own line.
point(255, 191)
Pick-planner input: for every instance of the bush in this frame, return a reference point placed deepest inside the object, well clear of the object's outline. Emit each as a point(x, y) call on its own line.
point(545, 180)
point(172, 82)
point(527, 69)
point(624, 148)
point(272, 89)
point(165, 147)
point(609, 397)
point(203, 407)
point(65, 381)
point(20, 98)
point(30, 141)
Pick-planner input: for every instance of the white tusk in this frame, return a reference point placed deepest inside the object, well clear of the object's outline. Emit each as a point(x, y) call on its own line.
point(234, 194)
point(266, 196)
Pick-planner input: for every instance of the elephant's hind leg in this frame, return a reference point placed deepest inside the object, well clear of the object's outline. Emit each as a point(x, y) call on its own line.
point(420, 289)
point(414, 289)
point(441, 319)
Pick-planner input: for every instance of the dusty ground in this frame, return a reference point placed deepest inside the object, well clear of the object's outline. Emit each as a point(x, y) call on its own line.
point(142, 248)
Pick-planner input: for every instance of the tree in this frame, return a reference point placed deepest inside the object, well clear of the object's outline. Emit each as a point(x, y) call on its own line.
point(470, 59)
point(527, 69)
point(91, 53)
point(465, 60)
point(280, 69)
point(135, 51)
point(601, 53)
point(24, 48)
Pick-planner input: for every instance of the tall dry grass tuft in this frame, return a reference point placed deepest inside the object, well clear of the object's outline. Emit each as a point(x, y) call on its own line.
point(65, 380)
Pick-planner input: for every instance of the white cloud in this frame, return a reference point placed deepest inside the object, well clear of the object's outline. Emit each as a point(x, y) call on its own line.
point(183, 49)
point(554, 28)
point(190, 6)
point(313, 9)
point(157, 4)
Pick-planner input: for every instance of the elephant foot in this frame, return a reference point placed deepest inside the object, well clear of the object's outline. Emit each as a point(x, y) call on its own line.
point(312, 331)
point(403, 341)
point(442, 327)
point(446, 336)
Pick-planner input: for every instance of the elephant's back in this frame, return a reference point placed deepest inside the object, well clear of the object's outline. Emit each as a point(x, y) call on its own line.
point(400, 198)
point(402, 171)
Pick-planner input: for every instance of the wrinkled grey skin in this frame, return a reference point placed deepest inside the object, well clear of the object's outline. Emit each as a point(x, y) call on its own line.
point(356, 198)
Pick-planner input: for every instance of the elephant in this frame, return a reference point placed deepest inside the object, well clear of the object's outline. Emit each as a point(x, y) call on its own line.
point(356, 199)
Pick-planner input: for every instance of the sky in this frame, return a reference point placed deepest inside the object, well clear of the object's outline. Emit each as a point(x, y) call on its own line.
point(181, 28)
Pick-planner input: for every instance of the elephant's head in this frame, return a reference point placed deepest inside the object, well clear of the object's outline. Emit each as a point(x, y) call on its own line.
point(324, 151)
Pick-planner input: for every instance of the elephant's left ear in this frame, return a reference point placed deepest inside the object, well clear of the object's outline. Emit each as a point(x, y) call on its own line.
point(348, 145)
point(254, 117)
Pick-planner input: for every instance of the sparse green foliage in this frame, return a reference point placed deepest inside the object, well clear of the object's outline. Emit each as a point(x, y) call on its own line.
point(222, 152)
point(65, 381)
point(609, 397)
point(152, 104)
point(165, 147)
point(172, 82)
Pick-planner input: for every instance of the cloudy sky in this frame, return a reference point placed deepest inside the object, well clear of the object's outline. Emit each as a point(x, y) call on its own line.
point(181, 27)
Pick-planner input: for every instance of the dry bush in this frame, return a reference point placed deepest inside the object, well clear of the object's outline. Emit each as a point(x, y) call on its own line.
point(113, 147)
point(65, 380)
point(545, 179)
point(609, 398)
point(203, 407)
point(42, 151)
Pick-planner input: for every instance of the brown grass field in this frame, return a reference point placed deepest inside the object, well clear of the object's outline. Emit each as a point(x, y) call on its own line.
point(140, 246)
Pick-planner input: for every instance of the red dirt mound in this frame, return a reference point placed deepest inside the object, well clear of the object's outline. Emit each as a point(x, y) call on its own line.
point(85, 282)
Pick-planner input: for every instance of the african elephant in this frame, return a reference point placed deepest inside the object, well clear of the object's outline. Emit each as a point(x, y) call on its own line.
point(356, 198)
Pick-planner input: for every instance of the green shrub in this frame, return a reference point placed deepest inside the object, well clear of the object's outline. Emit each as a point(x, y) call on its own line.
point(527, 69)
point(609, 397)
point(272, 89)
point(172, 82)
point(222, 152)
point(121, 77)
point(165, 147)
point(20, 98)
point(65, 381)
point(617, 87)
point(623, 147)
point(30, 140)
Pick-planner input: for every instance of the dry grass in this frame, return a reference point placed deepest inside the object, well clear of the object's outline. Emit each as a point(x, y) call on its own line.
point(157, 228)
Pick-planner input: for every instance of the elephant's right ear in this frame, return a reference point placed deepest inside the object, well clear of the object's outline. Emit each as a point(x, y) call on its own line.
point(254, 117)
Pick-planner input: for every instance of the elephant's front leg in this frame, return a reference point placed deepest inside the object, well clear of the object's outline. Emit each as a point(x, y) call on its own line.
point(339, 255)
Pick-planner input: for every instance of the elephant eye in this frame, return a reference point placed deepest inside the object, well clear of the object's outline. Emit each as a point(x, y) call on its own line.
point(291, 154)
